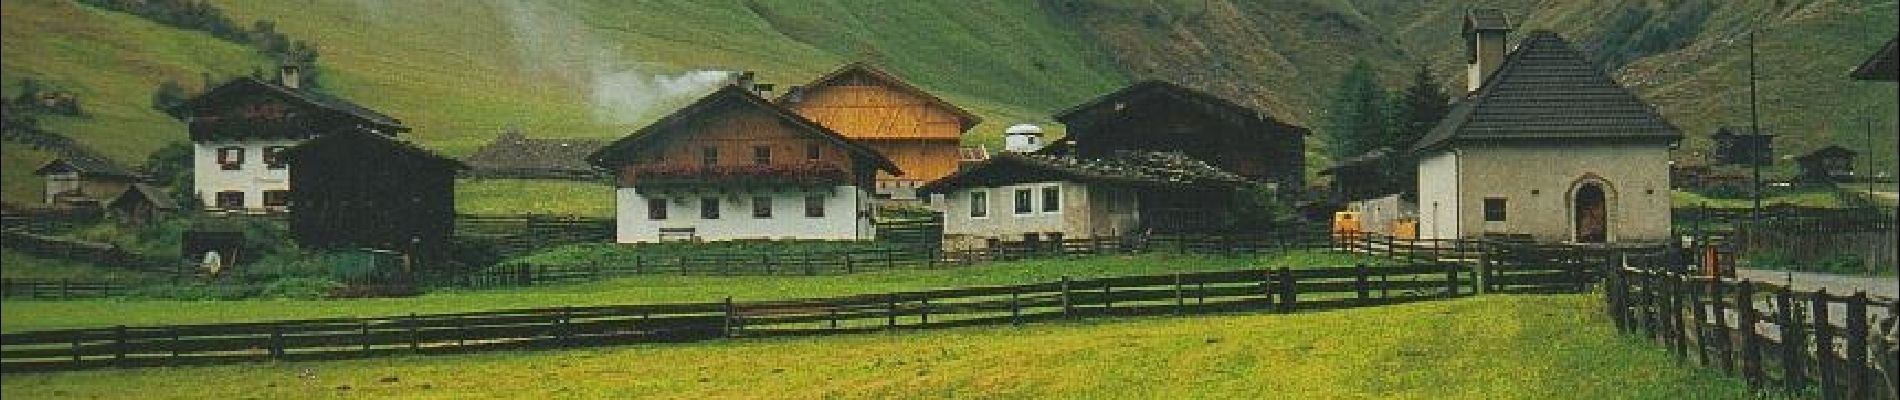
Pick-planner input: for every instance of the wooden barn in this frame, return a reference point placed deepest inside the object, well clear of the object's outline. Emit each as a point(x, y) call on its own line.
point(240, 129)
point(140, 205)
point(734, 165)
point(916, 130)
point(1827, 164)
point(1163, 116)
point(1035, 197)
point(1738, 146)
point(358, 189)
point(84, 180)
point(513, 155)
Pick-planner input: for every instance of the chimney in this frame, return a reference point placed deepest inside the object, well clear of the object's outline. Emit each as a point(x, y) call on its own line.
point(1022, 138)
point(290, 75)
point(794, 94)
point(1485, 35)
point(743, 80)
point(762, 89)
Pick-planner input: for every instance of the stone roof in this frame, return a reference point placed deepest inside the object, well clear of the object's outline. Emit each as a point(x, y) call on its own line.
point(312, 98)
point(397, 145)
point(88, 165)
point(1883, 65)
point(147, 193)
point(1548, 90)
point(517, 153)
point(1134, 168)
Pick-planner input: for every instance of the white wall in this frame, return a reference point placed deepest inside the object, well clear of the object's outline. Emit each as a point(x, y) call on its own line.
point(1438, 196)
point(1536, 181)
point(252, 178)
point(847, 211)
point(1071, 220)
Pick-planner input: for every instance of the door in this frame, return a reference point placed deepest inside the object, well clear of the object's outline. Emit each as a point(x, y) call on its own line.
point(1592, 214)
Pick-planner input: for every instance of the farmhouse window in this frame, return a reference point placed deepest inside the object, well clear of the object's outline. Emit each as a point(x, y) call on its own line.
point(709, 208)
point(1052, 199)
point(761, 155)
point(979, 204)
point(274, 157)
point(656, 209)
point(709, 156)
point(231, 200)
point(1494, 210)
point(814, 207)
point(231, 158)
point(1025, 201)
point(277, 198)
point(812, 151)
point(761, 207)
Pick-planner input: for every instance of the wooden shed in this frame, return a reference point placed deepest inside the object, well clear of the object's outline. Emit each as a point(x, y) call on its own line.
point(356, 189)
point(1164, 116)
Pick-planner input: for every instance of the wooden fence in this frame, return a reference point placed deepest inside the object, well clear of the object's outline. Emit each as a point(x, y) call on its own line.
point(1280, 290)
point(1770, 336)
point(82, 251)
point(60, 288)
point(48, 220)
point(520, 234)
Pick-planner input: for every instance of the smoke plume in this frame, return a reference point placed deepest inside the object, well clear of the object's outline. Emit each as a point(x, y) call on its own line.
point(550, 43)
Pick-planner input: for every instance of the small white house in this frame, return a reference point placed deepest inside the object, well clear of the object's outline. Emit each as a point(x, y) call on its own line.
point(735, 166)
point(240, 129)
point(1016, 196)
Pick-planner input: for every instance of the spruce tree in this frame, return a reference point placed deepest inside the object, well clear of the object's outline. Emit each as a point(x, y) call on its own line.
point(1355, 121)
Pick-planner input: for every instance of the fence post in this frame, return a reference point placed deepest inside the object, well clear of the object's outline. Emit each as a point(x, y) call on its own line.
point(1859, 383)
point(1180, 301)
point(415, 334)
point(725, 326)
point(1676, 330)
point(890, 258)
point(848, 269)
point(276, 342)
point(118, 346)
point(1289, 294)
point(1824, 345)
point(1451, 280)
point(1745, 324)
point(637, 265)
point(1699, 318)
point(1724, 341)
point(560, 327)
point(924, 314)
point(1015, 306)
point(1360, 277)
point(363, 333)
point(890, 310)
point(1792, 344)
point(1108, 299)
point(65, 288)
point(1068, 309)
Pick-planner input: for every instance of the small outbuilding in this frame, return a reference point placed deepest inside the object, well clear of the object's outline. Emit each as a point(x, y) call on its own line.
point(1827, 164)
point(1159, 116)
point(140, 205)
point(80, 179)
point(1016, 196)
point(516, 156)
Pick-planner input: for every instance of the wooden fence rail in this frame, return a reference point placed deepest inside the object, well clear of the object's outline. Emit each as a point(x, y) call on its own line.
point(1772, 337)
point(60, 288)
point(1277, 290)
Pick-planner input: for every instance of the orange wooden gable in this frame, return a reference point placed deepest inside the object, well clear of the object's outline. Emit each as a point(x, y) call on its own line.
point(862, 102)
point(733, 127)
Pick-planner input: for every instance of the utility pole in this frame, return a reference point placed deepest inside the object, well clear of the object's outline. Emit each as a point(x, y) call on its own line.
point(1754, 121)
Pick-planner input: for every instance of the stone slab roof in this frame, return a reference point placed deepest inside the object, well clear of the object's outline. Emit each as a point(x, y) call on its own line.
point(1133, 168)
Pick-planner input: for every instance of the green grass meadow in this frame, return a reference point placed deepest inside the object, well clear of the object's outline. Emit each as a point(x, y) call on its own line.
point(21, 315)
point(1486, 347)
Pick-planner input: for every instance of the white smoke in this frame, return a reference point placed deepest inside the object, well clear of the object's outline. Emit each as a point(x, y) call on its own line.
point(553, 44)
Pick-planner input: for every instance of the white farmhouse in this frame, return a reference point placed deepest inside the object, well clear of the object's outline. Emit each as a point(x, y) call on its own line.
point(1017, 196)
point(733, 165)
point(240, 129)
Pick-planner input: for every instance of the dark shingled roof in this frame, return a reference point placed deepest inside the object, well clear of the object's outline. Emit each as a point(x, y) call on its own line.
point(1486, 19)
point(514, 152)
point(614, 154)
point(376, 140)
point(1364, 159)
point(140, 191)
point(1548, 90)
point(1133, 168)
point(1884, 65)
point(88, 165)
point(318, 100)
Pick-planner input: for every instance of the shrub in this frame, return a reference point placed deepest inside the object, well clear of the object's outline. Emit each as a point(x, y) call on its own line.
point(300, 288)
point(1844, 263)
point(1768, 259)
point(195, 291)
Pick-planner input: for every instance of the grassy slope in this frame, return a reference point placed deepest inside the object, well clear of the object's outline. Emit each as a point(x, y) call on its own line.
point(1494, 347)
point(16, 315)
point(520, 196)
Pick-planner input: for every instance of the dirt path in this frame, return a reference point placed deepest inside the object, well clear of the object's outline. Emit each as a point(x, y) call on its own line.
point(1886, 286)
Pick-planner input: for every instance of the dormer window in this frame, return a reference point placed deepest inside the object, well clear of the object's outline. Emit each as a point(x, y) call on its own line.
point(231, 158)
point(274, 157)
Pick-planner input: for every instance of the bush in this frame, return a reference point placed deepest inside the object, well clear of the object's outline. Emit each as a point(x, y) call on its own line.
point(300, 288)
point(195, 291)
point(1844, 263)
point(1768, 259)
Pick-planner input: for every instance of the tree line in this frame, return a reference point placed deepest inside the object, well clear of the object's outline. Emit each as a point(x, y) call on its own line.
point(1363, 117)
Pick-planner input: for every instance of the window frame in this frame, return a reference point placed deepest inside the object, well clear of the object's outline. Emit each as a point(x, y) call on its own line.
point(656, 213)
point(814, 152)
point(814, 206)
point(761, 155)
point(979, 204)
point(274, 157)
point(758, 206)
point(1052, 205)
point(709, 208)
point(1499, 206)
point(709, 156)
point(284, 196)
point(219, 199)
point(230, 158)
point(1023, 201)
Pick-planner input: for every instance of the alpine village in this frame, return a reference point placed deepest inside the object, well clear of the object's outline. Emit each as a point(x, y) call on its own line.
point(1523, 199)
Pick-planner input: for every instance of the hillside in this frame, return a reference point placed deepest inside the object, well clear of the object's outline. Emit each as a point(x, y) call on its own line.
point(600, 68)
